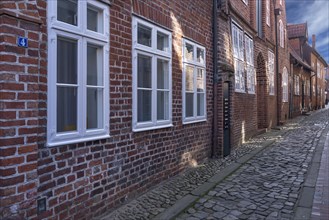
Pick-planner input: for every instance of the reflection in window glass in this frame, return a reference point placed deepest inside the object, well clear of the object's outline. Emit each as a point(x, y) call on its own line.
point(66, 61)
point(94, 108)
point(162, 41)
point(144, 71)
point(200, 104)
point(163, 74)
point(67, 11)
point(162, 105)
point(200, 80)
point(144, 105)
point(94, 65)
point(200, 55)
point(189, 72)
point(66, 109)
point(144, 35)
point(189, 54)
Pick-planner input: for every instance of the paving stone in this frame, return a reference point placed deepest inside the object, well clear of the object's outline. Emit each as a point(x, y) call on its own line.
point(265, 187)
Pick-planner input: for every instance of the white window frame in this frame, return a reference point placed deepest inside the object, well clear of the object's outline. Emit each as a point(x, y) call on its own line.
point(281, 32)
point(155, 54)
point(268, 20)
point(280, 2)
point(250, 69)
point(82, 35)
point(238, 56)
point(271, 72)
point(285, 85)
point(196, 65)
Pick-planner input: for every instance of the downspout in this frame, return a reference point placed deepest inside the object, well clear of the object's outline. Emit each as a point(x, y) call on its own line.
point(215, 80)
point(277, 11)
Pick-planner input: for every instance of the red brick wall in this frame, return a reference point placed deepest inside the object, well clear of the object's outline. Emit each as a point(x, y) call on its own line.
point(82, 180)
point(23, 102)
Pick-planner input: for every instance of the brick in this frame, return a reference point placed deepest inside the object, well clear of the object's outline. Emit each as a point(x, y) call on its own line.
point(22, 131)
point(12, 123)
point(8, 115)
point(13, 105)
point(11, 68)
point(27, 167)
point(46, 169)
point(27, 149)
point(5, 152)
point(7, 171)
point(8, 191)
point(11, 141)
point(12, 181)
point(26, 187)
point(8, 58)
point(7, 95)
point(29, 60)
point(7, 201)
point(63, 189)
point(11, 161)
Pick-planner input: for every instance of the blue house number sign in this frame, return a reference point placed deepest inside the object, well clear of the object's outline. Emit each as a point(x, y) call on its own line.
point(22, 42)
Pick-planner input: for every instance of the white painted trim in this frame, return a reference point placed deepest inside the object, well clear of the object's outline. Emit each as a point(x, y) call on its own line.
point(196, 65)
point(155, 54)
point(83, 37)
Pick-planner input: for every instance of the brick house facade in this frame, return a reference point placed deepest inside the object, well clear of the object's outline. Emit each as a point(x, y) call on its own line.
point(83, 179)
point(96, 111)
point(308, 69)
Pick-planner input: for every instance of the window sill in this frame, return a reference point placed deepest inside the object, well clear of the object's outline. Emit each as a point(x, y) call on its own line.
point(75, 141)
point(239, 91)
point(152, 128)
point(186, 122)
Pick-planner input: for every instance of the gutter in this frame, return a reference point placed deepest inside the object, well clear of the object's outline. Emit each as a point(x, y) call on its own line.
point(215, 79)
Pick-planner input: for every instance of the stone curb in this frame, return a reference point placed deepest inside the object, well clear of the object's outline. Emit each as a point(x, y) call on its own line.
point(305, 202)
point(197, 193)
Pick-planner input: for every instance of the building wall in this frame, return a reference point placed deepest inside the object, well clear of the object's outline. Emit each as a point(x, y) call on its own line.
point(84, 179)
point(283, 60)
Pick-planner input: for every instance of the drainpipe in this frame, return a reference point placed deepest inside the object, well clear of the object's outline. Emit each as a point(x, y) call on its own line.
point(277, 12)
point(215, 80)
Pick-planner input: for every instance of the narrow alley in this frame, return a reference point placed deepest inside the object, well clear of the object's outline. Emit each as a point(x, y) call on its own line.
point(275, 180)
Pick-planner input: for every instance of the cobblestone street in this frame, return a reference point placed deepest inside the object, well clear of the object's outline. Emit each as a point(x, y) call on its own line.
point(275, 183)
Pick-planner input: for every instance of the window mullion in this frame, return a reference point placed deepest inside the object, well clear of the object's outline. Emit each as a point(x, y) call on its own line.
point(195, 104)
point(154, 90)
point(82, 79)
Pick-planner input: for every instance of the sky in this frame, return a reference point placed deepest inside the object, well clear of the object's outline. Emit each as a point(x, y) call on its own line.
point(316, 14)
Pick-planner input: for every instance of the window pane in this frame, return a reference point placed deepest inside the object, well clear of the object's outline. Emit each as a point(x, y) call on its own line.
point(163, 105)
point(144, 102)
point(94, 65)
point(66, 109)
point(66, 61)
point(189, 72)
point(144, 71)
point(67, 11)
point(162, 42)
point(94, 19)
point(200, 104)
point(163, 74)
point(189, 51)
point(189, 104)
point(200, 80)
point(200, 55)
point(94, 108)
point(144, 35)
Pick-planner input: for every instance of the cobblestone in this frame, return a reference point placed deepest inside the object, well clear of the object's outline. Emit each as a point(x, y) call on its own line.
point(266, 187)
point(270, 183)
